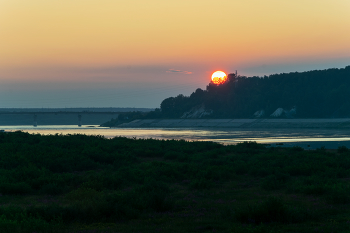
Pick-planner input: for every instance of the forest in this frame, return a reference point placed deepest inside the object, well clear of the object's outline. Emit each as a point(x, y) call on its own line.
point(85, 184)
point(312, 94)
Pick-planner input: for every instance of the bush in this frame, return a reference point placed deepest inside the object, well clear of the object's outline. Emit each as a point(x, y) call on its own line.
point(152, 195)
point(22, 222)
point(251, 145)
point(15, 188)
point(342, 149)
point(52, 189)
point(241, 167)
point(158, 201)
point(314, 185)
point(87, 205)
point(272, 183)
point(338, 194)
point(182, 158)
point(171, 155)
point(201, 183)
point(296, 148)
point(83, 194)
point(272, 210)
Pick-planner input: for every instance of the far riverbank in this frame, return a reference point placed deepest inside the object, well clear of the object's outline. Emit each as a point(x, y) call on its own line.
point(239, 123)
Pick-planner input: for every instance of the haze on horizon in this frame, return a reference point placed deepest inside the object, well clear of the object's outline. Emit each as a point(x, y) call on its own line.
point(114, 53)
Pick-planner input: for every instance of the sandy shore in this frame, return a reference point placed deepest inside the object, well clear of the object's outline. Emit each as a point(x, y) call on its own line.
point(239, 123)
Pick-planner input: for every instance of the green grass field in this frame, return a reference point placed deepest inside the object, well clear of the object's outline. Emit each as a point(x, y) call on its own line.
point(79, 183)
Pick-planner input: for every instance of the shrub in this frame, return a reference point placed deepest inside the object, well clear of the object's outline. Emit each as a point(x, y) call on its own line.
point(315, 189)
point(52, 189)
point(91, 210)
point(171, 155)
point(152, 195)
point(183, 158)
point(158, 201)
point(201, 183)
point(50, 213)
point(83, 194)
point(94, 184)
point(338, 194)
point(342, 149)
point(297, 148)
point(15, 188)
point(315, 185)
point(272, 183)
point(272, 210)
point(251, 145)
point(299, 169)
point(87, 205)
point(22, 222)
point(241, 167)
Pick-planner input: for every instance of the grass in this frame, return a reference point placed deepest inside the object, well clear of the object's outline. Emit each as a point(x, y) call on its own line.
point(79, 183)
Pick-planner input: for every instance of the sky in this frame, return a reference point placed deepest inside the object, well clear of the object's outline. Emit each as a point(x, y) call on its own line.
point(135, 53)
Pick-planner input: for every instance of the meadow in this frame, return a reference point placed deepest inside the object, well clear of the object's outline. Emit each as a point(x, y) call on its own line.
point(80, 183)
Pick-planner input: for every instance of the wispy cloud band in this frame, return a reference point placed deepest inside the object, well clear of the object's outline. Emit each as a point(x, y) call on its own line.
point(178, 71)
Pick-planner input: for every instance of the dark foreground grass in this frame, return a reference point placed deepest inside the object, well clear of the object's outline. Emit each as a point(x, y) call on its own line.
point(79, 183)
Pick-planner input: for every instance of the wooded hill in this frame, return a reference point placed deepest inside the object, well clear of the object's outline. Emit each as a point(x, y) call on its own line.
point(312, 94)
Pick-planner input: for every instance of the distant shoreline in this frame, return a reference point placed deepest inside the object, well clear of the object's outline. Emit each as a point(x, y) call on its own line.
point(239, 123)
point(61, 116)
point(82, 109)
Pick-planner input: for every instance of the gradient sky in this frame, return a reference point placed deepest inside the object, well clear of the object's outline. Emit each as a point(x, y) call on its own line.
point(133, 53)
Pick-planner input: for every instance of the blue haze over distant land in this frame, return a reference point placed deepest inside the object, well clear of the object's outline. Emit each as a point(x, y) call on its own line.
point(141, 86)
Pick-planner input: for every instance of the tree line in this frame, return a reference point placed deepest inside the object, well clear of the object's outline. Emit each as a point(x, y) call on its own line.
point(311, 94)
point(314, 94)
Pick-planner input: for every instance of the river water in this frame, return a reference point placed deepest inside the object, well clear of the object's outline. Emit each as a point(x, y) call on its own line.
point(306, 138)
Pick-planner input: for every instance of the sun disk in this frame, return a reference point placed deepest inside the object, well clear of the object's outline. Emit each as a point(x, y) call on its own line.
point(218, 77)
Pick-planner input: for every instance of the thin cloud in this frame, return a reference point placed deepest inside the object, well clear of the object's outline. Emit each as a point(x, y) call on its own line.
point(178, 71)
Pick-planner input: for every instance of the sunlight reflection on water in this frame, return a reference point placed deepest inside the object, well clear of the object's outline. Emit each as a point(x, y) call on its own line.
point(225, 136)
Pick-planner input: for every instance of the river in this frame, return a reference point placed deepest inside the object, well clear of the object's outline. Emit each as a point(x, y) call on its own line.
point(306, 138)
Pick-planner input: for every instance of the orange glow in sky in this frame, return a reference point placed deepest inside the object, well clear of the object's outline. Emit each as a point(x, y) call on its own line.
point(104, 43)
point(108, 32)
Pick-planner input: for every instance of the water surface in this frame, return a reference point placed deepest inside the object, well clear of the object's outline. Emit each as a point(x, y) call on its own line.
point(307, 138)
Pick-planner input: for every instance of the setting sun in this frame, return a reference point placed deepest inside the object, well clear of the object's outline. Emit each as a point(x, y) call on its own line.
point(218, 77)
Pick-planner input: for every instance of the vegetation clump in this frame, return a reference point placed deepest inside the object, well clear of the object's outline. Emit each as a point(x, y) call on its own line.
point(79, 183)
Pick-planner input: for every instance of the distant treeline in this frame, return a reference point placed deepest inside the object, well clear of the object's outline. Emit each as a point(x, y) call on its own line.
point(312, 94)
point(101, 109)
point(317, 94)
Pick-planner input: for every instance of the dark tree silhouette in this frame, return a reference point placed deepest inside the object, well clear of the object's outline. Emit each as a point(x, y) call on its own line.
point(318, 93)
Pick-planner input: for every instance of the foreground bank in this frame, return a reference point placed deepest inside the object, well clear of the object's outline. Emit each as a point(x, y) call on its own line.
point(79, 183)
